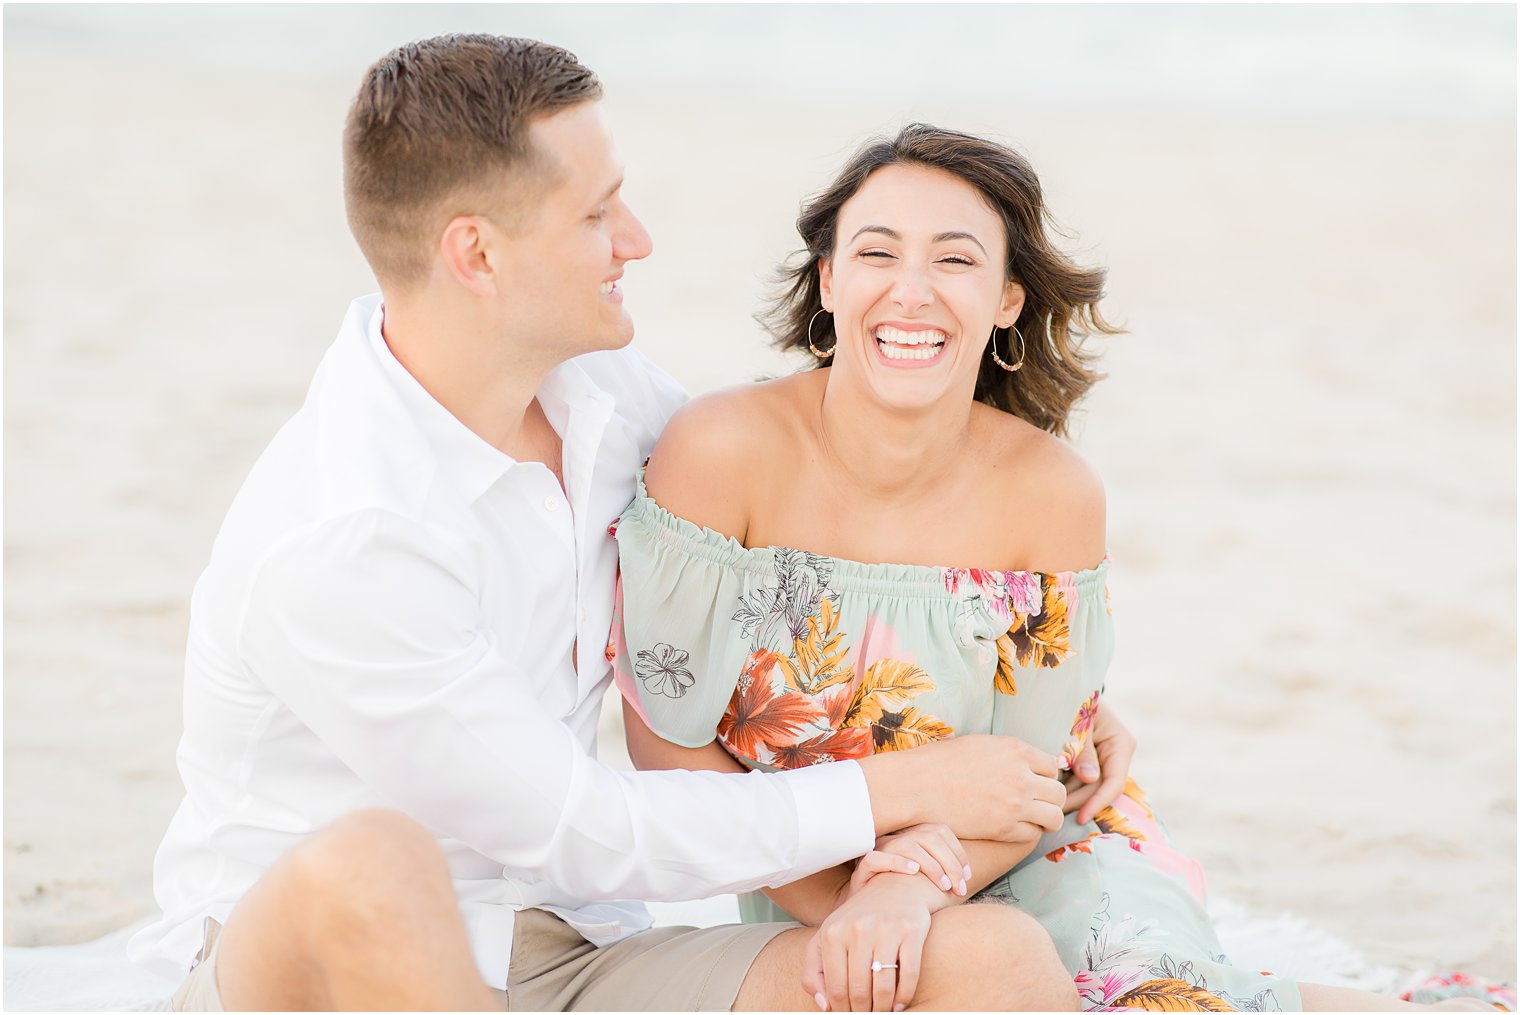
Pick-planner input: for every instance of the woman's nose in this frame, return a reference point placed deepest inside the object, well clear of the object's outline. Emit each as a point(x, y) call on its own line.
point(911, 290)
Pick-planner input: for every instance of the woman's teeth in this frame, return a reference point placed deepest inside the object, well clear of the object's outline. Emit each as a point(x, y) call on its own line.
point(894, 352)
point(608, 288)
point(898, 344)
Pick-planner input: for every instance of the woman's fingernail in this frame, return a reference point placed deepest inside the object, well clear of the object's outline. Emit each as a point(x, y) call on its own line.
point(966, 872)
point(1089, 771)
point(960, 888)
point(821, 1001)
point(913, 867)
point(944, 882)
point(899, 1007)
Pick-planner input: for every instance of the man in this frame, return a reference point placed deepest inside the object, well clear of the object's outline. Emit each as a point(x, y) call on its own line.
point(394, 668)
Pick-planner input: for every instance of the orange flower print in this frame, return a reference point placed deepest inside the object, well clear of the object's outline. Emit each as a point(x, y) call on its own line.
point(821, 662)
point(757, 716)
point(906, 729)
point(1002, 681)
point(837, 707)
point(1043, 639)
point(1081, 846)
point(1110, 821)
point(1170, 995)
point(836, 745)
point(878, 702)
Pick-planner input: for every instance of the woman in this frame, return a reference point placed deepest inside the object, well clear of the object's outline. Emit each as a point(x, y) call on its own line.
point(945, 327)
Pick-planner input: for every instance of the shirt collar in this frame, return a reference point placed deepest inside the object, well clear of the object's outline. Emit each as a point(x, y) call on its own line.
point(569, 387)
point(463, 458)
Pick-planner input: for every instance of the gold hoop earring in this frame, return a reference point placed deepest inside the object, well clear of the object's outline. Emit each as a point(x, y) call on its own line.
point(998, 359)
point(816, 351)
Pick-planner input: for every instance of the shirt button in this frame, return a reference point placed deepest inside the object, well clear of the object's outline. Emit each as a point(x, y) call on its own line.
point(583, 616)
point(551, 503)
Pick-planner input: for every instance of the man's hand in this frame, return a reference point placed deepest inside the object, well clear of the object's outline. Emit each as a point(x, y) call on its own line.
point(981, 786)
point(1107, 755)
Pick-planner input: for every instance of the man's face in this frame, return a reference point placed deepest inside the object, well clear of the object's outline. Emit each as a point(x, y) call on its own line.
point(561, 271)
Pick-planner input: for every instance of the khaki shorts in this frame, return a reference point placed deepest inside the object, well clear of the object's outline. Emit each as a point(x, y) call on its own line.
point(555, 969)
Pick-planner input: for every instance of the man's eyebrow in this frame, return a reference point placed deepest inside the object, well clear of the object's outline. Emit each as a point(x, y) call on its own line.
point(893, 234)
point(612, 189)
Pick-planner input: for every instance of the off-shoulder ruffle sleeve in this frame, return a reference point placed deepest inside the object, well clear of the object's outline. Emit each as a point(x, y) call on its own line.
point(676, 648)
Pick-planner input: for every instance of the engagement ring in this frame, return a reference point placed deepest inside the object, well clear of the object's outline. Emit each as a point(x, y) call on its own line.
point(877, 965)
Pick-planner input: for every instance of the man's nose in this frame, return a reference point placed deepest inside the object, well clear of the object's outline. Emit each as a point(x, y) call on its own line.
point(631, 242)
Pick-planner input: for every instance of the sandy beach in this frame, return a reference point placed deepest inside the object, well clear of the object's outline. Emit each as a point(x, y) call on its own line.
point(1307, 435)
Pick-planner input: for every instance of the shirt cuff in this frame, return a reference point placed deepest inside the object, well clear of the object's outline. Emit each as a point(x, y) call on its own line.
point(834, 821)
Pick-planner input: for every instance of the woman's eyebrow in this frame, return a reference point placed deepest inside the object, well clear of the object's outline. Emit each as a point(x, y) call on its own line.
point(893, 234)
point(942, 237)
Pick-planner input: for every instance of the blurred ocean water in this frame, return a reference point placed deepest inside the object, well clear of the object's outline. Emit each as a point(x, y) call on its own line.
point(1420, 61)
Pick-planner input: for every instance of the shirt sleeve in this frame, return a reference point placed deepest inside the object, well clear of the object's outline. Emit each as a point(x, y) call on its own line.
point(368, 628)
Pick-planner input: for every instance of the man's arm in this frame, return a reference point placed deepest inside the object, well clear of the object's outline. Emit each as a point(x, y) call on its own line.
point(368, 628)
point(808, 900)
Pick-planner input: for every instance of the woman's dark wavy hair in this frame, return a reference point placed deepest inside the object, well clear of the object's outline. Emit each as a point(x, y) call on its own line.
point(1056, 372)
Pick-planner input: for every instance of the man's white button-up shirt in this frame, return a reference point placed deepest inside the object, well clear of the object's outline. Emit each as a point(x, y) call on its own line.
point(390, 619)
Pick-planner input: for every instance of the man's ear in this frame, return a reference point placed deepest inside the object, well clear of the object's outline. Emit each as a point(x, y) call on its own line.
point(1012, 305)
point(465, 248)
point(826, 283)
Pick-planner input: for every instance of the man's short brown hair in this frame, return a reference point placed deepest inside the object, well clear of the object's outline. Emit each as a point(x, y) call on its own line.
point(441, 125)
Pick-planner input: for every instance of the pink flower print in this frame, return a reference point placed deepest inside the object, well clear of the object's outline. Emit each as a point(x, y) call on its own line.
point(1089, 989)
point(1023, 591)
point(1008, 592)
point(1098, 992)
point(1085, 716)
point(1081, 727)
point(981, 580)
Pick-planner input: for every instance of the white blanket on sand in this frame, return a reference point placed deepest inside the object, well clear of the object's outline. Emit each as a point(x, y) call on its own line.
point(96, 976)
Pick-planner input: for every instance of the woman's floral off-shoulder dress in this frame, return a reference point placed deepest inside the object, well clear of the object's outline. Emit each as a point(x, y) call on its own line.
point(793, 659)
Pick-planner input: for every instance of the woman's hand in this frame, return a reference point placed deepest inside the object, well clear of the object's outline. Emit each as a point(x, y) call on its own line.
point(1108, 753)
point(866, 956)
point(929, 849)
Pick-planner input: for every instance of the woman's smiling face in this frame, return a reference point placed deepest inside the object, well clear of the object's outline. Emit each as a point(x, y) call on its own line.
point(916, 283)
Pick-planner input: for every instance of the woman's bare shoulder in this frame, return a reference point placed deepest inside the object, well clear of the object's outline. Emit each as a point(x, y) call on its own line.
point(706, 464)
point(1056, 493)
